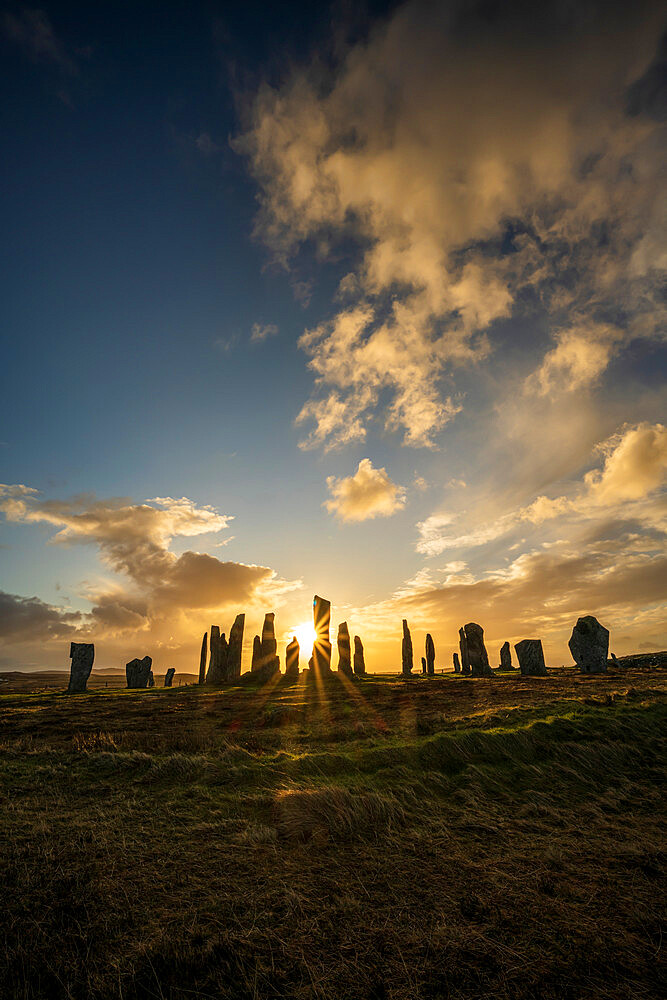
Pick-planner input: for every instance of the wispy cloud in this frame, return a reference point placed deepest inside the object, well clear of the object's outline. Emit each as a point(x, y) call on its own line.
point(32, 30)
point(262, 331)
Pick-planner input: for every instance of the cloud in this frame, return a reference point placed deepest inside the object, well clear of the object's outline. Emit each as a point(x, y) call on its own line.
point(635, 465)
point(33, 31)
point(262, 331)
point(30, 619)
point(160, 591)
point(367, 494)
point(482, 160)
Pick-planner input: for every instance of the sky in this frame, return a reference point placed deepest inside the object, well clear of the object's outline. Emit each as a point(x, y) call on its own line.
point(362, 301)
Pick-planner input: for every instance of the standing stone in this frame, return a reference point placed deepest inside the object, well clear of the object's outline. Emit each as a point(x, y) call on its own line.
point(202, 658)
point(138, 672)
point(359, 663)
point(343, 642)
point(217, 666)
point(82, 655)
point(423, 664)
point(531, 658)
point(320, 661)
point(265, 662)
point(506, 657)
point(292, 659)
point(463, 646)
point(169, 677)
point(589, 645)
point(430, 655)
point(235, 650)
point(477, 655)
point(151, 679)
point(457, 665)
point(406, 650)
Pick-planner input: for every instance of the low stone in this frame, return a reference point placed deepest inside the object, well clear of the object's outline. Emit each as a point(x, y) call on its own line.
point(430, 655)
point(82, 655)
point(359, 663)
point(531, 658)
point(423, 664)
point(506, 657)
point(457, 665)
point(343, 642)
point(406, 650)
point(292, 659)
point(138, 672)
point(477, 656)
point(169, 677)
point(589, 645)
point(463, 646)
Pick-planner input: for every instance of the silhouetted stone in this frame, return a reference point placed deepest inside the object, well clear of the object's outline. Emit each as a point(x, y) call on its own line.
point(457, 664)
point(531, 658)
point(265, 661)
point(423, 664)
point(589, 645)
point(477, 655)
point(217, 665)
point(463, 646)
point(138, 672)
point(235, 650)
point(292, 659)
point(320, 661)
point(202, 658)
point(406, 650)
point(430, 655)
point(169, 677)
point(82, 655)
point(151, 680)
point(344, 655)
point(506, 657)
point(359, 663)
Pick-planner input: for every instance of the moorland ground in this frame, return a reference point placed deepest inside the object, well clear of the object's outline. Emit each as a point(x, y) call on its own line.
point(378, 839)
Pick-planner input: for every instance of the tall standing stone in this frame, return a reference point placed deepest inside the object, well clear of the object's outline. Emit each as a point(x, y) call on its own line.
point(321, 658)
point(406, 650)
point(138, 672)
point(589, 645)
point(256, 661)
point(530, 655)
point(343, 642)
point(463, 646)
point(477, 655)
point(265, 661)
point(359, 662)
point(169, 677)
point(82, 655)
point(202, 658)
point(457, 664)
point(217, 666)
point(235, 651)
point(430, 655)
point(506, 657)
point(292, 659)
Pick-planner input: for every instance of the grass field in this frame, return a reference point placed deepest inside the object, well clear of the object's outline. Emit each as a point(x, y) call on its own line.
point(445, 837)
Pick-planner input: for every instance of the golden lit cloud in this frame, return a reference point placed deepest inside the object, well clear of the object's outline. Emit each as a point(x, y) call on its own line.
point(367, 494)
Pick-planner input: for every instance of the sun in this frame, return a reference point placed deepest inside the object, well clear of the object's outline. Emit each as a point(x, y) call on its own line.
point(306, 636)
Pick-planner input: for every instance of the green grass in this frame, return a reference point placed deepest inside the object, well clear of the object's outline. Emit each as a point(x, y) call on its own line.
point(411, 841)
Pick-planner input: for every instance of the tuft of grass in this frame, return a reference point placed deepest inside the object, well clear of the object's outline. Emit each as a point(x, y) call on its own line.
point(331, 812)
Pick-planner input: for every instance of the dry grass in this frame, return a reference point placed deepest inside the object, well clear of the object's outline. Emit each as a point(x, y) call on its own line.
point(378, 841)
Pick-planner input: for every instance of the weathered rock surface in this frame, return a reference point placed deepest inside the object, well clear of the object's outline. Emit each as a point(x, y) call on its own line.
point(406, 650)
point(589, 645)
point(265, 661)
point(217, 664)
point(430, 655)
point(531, 658)
point(169, 677)
point(359, 662)
point(82, 655)
point(202, 658)
point(235, 650)
point(344, 654)
point(292, 659)
point(463, 646)
point(151, 680)
point(477, 655)
point(138, 672)
point(320, 661)
point(457, 664)
point(506, 657)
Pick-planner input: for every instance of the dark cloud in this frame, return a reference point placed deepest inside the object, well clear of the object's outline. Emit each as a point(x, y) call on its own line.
point(28, 619)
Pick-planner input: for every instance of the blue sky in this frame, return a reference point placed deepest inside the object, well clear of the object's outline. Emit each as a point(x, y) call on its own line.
point(462, 206)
